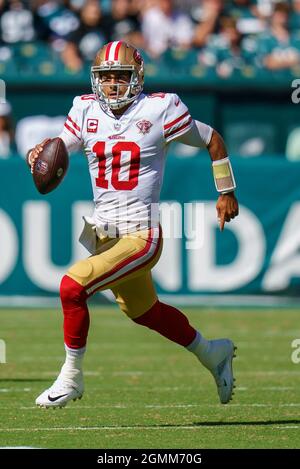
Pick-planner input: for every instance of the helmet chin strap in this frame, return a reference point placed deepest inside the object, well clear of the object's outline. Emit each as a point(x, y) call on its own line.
point(120, 102)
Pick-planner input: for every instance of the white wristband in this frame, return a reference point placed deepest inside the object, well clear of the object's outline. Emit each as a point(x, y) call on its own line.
point(223, 176)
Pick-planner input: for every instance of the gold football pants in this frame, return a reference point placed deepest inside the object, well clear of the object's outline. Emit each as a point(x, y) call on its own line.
point(123, 265)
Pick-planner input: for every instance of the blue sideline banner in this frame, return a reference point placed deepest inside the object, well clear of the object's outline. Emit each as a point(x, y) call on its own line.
point(257, 254)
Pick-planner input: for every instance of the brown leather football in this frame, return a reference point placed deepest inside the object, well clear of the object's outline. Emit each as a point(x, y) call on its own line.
point(51, 166)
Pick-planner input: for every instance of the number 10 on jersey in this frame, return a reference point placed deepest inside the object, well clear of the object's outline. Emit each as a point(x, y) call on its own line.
point(114, 172)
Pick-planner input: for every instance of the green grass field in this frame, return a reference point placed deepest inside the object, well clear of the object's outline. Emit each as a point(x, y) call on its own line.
point(145, 392)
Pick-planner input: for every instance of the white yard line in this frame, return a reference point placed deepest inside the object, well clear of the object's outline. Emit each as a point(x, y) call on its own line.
point(18, 447)
point(5, 390)
point(127, 427)
point(155, 406)
point(134, 427)
point(103, 374)
point(287, 427)
point(170, 388)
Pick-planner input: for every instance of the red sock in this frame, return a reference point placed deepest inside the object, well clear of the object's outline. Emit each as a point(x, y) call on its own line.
point(169, 322)
point(76, 313)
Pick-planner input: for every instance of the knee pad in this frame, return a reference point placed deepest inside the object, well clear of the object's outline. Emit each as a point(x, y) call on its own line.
point(71, 292)
point(81, 272)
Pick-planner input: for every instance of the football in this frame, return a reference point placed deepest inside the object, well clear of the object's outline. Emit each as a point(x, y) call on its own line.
point(51, 166)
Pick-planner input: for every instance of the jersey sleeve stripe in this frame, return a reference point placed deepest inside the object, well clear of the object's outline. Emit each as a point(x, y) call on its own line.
point(179, 129)
point(170, 124)
point(73, 123)
point(71, 130)
point(86, 97)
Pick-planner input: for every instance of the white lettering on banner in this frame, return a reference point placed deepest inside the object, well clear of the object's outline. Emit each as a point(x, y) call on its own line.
point(79, 209)
point(204, 274)
point(37, 247)
point(168, 271)
point(9, 246)
point(37, 243)
point(285, 260)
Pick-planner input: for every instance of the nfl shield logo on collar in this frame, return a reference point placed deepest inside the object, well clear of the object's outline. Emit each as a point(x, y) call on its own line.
point(144, 126)
point(92, 125)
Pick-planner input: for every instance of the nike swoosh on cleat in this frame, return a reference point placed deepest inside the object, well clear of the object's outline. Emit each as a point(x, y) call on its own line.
point(53, 399)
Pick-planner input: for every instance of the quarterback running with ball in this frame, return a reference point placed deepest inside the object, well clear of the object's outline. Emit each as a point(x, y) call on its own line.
point(125, 135)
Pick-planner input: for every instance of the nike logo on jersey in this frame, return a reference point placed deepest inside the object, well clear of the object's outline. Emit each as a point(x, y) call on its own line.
point(53, 399)
point(177, 102)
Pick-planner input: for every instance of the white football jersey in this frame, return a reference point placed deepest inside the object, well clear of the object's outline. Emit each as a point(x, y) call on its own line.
point(126, 155)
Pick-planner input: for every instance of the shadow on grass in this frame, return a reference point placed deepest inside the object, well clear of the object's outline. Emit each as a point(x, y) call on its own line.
point(204, 424)
point(214, 424)
point(247, 422)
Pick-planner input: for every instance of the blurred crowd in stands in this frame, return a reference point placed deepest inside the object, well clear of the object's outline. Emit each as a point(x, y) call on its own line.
point(223, 35)
point(226, 33)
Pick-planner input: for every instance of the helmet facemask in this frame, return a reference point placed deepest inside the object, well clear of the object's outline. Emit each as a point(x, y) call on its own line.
point(98, 85)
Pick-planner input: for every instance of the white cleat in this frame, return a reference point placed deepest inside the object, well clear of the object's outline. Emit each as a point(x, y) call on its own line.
point(219, 362)
point(63, 390)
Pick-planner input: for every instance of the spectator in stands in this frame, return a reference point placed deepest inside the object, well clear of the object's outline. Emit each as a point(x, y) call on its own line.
point(16, 23)
point(164, 26)
point(208, 21)
point(292, 150)
point(123, 23)
point(83, 43)
point(278, 48)
point(247, 16)
point(55, 22)
point(295, 16)
point(226, 52)
point(6, 130)
point(75, 5)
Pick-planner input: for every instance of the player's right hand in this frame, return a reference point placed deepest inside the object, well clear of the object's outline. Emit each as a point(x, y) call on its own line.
point(34, 153)
point(227, 208)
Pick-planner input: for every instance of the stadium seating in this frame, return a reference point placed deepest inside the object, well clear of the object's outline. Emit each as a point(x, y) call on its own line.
point(250, 138)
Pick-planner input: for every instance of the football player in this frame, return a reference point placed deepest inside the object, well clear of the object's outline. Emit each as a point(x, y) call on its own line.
point(125, 135)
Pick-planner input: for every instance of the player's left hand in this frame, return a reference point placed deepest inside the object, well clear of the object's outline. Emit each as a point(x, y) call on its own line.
point(227, 208)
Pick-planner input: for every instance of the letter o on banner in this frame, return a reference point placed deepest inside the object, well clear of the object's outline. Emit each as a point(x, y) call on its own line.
point(8, 246)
